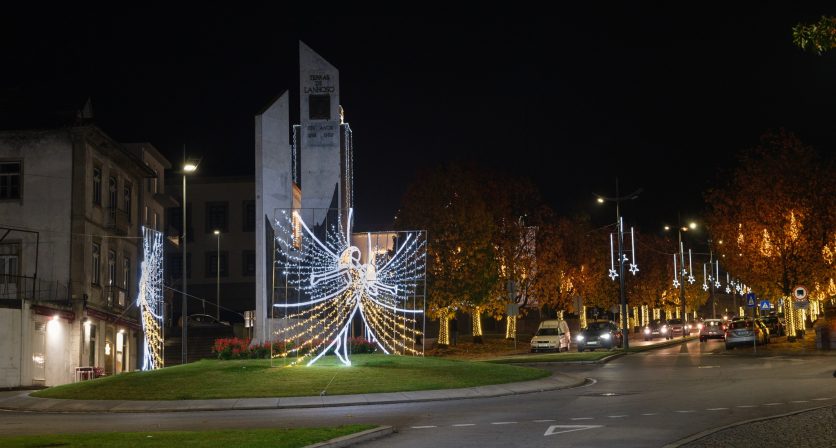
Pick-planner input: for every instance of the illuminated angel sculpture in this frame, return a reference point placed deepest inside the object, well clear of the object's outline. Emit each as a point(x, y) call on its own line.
point(150, 299)
point(325, 283)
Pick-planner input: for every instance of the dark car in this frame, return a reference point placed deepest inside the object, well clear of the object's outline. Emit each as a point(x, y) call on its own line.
point(776, 325)
point(678, 327)
point(656, 328)
point(599, 335)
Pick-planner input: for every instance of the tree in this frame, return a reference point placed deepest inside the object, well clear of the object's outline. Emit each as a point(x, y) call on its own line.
point(461, 266)
point(818, 37)
point(768, 221)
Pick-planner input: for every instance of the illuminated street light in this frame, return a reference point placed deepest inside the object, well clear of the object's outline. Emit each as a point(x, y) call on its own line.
point(188, 167)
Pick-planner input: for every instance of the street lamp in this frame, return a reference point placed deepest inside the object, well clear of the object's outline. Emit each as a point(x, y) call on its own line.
point(218, 272)
point(691, 226)
point(188, 167)
point(620, 224)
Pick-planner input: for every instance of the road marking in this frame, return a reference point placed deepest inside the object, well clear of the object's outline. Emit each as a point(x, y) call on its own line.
point(651, 413)
point(424, 427)
point(617, 416)
point(747, 406)
point(800, 401)
point(686, 412)
point(556, 429)
point(582, 418)
point(707, 367)
point(465, 424)
point(821, 399)
point(716, 409)
point(544, 421)
point(503, 423)
point(772, 404)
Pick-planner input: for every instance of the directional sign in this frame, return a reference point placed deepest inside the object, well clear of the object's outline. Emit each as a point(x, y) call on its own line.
point(560, 429)
point(750, 300)
point(764, 305)
point(799, 293)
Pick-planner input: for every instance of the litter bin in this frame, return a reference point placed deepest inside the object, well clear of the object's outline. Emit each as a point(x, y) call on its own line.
point(823, 338)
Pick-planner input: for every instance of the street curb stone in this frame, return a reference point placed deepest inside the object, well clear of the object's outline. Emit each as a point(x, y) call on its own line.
point(351, 439)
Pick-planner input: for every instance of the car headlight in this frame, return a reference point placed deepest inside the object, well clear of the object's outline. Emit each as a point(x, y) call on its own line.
point(605, 336)
point(579, 338)
point(646, 330)
point(699, 326)
point(664, 328)
point(687, 327)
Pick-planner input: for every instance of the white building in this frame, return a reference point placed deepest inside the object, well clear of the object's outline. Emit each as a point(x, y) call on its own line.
point(70, 251)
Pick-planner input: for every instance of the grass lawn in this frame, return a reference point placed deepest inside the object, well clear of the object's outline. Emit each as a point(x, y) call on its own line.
point(555, 357)
point(279, 438)
point(255, 378)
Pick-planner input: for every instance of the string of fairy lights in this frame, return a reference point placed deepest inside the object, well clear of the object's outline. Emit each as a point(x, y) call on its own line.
point(323, 283)
point(150, 299)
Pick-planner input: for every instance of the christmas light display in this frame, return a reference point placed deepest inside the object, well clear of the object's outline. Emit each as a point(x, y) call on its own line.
point(634, 268)
point(324, 282)
point(150, 299)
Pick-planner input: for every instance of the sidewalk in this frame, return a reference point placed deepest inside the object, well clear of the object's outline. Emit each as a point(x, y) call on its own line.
point(25, 403)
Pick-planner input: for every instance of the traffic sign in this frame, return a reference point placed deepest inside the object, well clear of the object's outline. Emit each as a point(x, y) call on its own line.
point(750, 300)
point(765, 306)
point(802, 304)
point(799, 293)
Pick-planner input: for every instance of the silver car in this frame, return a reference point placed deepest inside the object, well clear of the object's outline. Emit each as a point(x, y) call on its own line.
point(740, 332)
point(712, 329)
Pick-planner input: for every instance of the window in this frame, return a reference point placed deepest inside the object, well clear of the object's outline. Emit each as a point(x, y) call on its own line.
point(319, 107)
point(112, 195)
point(216, 216)
point(152, 183)
point(97, 185)
point(126, 273)
point(9, 262)
point(155, 223)
point(249, 216)
point(145, 216)
point(126, 192)
point(248, 259)
point(212, 264)
point(111, 268)
point(96, 274)
point(9, 180)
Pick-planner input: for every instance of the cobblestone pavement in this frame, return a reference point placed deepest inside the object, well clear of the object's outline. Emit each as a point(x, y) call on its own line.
point(808, 429)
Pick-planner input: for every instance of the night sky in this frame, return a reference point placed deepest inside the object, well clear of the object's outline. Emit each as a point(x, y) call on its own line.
point(660, 96)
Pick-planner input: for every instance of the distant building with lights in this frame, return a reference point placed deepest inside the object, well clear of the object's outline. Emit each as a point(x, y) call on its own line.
point(72, 202)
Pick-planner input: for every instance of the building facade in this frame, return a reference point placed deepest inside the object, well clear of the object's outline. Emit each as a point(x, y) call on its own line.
point(71, 250)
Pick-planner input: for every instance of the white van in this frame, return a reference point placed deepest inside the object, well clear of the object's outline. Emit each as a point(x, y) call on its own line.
point(552, 335)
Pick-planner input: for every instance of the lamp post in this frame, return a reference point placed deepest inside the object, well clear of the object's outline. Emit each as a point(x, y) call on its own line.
point(620, 224)
point(218, 272)
point(682, 270)
point(184, 334)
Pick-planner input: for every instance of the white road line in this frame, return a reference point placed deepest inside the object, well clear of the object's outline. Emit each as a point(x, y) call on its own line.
point(716, 409)
point(800, 401)
point(651, 413)
point(424, 427)
point(503, 423)
point(465, 424)
point(686, 412)
point(747, 406)
point(544, 421)
point(772, 404)
point(821, 399)
point(617, 416)
point(582, 418)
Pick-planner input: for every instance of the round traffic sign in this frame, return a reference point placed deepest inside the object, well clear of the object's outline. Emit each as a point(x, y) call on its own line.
point(799, 293)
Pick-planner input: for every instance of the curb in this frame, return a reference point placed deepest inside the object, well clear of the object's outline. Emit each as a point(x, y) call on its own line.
point(351, 439)
point(26, 403)
point(711, 431)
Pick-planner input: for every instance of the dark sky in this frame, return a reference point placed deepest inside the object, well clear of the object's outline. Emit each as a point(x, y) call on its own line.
point(659, 95)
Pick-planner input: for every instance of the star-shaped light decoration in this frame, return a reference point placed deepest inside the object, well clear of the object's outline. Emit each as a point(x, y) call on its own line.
point(691, 279)
point(728, 290)
point(717, 284)
point(704, 287)
point(634, 268)
point(613, 274)
point(675, 283)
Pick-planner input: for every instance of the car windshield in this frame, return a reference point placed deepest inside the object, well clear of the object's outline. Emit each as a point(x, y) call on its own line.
point(548, 332)
point(711, 323)
point(675, 321)
point(597, 326)
point(741, 324)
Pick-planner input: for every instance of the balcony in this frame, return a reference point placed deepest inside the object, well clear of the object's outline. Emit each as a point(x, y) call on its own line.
point(117, 221)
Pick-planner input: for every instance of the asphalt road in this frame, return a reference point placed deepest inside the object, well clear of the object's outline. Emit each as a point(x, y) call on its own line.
point(647, 399)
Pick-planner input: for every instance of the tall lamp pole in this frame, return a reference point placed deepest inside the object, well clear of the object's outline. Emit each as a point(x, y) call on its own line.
point(184, 333)
point(682, 270)
point(620, 224)
point(218, 283)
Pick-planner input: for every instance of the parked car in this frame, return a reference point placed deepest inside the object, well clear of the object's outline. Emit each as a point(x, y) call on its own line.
point(776, 325)
point(552, 335)
point(600, 335)
point(744, 332)
point(656, 328)
point(712, 329)
point(678, 327)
